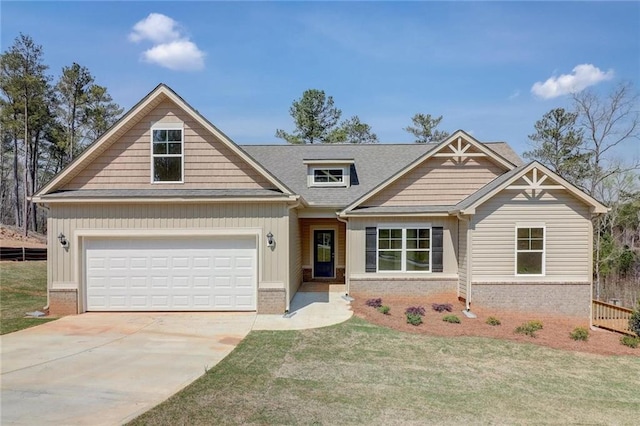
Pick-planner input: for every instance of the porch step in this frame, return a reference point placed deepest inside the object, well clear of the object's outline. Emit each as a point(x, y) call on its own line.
point(314, 287)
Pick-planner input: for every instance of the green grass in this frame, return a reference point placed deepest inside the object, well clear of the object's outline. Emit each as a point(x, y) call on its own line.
point(23, 288)
point(358, 373)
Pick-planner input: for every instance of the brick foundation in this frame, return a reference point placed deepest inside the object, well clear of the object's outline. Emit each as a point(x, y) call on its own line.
point(573, 299)
point(401, 286)
point(271, 300)
point(63, 302)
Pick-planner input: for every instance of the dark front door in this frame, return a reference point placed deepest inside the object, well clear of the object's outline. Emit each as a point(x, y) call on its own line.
point(323, 254)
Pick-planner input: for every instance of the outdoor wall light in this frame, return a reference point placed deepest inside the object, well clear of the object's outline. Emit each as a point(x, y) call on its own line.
point(63, 240)
point(270, 241)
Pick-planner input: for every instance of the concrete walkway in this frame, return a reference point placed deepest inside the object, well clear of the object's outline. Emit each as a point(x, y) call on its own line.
point(108, 368)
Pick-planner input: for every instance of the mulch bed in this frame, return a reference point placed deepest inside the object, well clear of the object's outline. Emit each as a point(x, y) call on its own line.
point(555, 333)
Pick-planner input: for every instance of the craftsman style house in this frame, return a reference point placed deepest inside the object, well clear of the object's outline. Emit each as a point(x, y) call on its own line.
point(164, 212)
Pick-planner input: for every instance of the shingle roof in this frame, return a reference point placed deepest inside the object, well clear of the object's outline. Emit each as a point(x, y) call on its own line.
point(374, 164)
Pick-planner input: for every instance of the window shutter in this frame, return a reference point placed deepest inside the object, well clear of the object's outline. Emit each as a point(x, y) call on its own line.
point(436, 249)
point(370, 249)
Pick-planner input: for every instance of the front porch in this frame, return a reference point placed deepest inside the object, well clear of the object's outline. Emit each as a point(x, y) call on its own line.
point(323, 243)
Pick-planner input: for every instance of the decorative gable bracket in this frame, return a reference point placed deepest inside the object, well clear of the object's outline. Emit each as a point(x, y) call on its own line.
point(535, 183)
point(459, 150)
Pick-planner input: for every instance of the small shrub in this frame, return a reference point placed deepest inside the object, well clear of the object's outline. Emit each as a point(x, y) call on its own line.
point(414, 319)
point(580, 333)
point(493, 321)
point(451, 319)
point(634, 321)
point(374, 303)
point(441, 307)
point(416, 310)
point(384, 309)
point(529, 328)
point(630, 341)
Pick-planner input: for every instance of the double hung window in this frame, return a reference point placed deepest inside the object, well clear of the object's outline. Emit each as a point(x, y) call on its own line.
point(167, 154)
point(404, 249)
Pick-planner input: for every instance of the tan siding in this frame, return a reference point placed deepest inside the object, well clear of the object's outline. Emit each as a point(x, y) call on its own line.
point(208, 163)
point(111, 218)
point(568, 242)
point(439, 181)
point(295, 254)
point(462, 258)
point(357, 242)
point(306, 225)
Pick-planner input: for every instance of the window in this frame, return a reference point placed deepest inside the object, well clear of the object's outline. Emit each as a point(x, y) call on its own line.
point(529, 251)
point(328, 177)
point(167, 154)
point(404, 249)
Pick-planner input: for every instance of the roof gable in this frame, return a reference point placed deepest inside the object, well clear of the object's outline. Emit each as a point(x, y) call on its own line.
point(533, 178)
point(161, 96)
point(459, 148)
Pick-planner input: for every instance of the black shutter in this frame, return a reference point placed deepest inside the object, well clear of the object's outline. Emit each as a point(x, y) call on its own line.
point(436, 248)
point(370, 249)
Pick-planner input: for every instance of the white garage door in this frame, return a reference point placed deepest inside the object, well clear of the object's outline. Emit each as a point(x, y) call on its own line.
point(171, 274)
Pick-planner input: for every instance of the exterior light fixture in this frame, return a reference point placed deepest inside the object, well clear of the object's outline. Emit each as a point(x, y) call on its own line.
point(270, 241)
point(63, 240)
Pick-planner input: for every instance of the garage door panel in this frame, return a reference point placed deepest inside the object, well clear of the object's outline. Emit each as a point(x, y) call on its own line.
point(171, 274)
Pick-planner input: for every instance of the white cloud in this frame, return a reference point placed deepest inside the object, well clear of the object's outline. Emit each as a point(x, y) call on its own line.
point(582, 76)
point(172, 49)
point(177, 56)
point(157, 28)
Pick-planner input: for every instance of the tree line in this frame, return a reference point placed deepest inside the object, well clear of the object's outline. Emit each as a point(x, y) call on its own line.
point(45, 122)
point(317, 120)
point(586, 144)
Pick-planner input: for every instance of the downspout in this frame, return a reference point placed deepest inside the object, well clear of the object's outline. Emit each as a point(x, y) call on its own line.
point(347, 264)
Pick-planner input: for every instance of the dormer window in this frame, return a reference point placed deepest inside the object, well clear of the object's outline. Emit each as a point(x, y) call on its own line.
point(167, 153)
point(328, 177)
point(336, 173)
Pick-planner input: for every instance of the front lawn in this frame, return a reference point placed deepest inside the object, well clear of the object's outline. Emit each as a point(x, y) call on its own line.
point(359, 373)
point(23, 288)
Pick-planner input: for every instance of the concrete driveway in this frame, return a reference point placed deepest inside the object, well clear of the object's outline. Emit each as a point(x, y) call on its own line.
point(108, 368)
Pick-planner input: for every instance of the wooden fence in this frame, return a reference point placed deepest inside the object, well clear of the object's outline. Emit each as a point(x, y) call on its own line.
point(23, 253)
point(611, 317)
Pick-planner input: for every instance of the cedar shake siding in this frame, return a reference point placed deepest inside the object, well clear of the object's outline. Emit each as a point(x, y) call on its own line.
point(438, 181)
point(208, 163)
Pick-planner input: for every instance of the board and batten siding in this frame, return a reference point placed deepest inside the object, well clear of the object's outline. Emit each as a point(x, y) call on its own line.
point(438, 181)
point(295, 254)
point(208, 162)
point(357, 244)
point(165, 219)
point(567, 223)
point(462, 258)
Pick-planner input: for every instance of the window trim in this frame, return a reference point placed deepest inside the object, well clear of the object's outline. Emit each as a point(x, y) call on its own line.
point(343, 183)
point(543, 251)
point(166, 126)
point(403, 250)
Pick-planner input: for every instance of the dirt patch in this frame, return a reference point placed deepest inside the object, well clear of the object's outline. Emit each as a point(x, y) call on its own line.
point(12, 237)
point(555, 333)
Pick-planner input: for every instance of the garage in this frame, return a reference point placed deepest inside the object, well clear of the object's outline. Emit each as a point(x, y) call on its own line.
point(171, 274)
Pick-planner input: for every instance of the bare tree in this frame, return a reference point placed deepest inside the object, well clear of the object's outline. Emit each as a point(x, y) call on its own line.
point(607, 122)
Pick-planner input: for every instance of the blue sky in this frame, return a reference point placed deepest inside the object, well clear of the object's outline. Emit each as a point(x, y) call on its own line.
point(242, 64)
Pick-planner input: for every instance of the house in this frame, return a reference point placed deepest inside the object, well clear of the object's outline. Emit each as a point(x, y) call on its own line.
point(164, 212)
